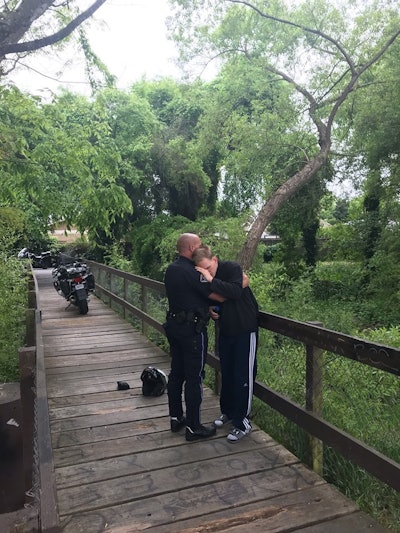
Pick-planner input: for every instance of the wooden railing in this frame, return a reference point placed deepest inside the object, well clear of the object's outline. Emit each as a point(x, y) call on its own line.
point(39, 474)
point(315, 338)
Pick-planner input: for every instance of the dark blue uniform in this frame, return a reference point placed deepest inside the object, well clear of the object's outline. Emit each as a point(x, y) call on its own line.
point(186, 329)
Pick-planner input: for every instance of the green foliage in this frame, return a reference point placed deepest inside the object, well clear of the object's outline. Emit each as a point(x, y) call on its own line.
point(249, 121)
point(147, 242)
point(13, 301)
point(58, 164)
point(150, 247)
point(224, 236)
point(390, 336)
point(94, 67)
point(327, 295)
point(184, 178)
point(270, 284)
point(341, 242)
point(13, 225)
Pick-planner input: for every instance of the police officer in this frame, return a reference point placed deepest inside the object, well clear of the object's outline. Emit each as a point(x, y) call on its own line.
point(186, 329)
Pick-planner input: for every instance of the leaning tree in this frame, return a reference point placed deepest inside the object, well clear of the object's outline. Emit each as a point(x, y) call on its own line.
point(323, 49)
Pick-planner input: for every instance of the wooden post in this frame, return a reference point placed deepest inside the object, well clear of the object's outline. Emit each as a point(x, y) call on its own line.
point(27, 363)
point(108, 287)
point(32, 299)
point(145, 327)
point(30, 328)
point(314, 398)
point(125, 296)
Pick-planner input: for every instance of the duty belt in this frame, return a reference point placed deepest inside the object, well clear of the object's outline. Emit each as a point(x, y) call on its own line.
point(198, 317)
point(182, 316)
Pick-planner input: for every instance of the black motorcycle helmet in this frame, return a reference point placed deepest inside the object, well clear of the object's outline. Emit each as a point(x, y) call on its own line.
point(154, 381)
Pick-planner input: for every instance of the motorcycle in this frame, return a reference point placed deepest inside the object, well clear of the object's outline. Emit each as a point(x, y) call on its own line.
point(44, 260)
point(74, 282)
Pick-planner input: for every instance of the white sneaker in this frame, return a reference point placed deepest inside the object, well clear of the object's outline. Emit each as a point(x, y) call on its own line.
point(219, 422)
point(237, 434)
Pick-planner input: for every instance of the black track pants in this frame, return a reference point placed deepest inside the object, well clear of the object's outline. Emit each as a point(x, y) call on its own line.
point(237, 355)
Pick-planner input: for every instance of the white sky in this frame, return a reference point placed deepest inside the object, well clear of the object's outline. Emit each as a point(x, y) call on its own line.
point(129, 37)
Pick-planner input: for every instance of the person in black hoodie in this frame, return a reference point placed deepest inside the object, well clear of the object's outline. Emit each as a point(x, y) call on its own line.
point(238, 338)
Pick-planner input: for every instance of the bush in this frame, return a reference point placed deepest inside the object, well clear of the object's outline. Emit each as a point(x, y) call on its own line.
point(340, 242)
point(13, 299)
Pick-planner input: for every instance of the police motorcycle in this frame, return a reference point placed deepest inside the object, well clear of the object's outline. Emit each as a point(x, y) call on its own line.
point(74, 282)
point(42, 260)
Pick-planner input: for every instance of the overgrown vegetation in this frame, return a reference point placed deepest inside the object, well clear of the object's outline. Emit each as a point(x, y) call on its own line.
point(13, 304)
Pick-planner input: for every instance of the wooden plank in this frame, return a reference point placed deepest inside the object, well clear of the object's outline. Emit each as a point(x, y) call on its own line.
point(84, 382)
point(255, 482)
point(155, 440)
point(78, 399)
point(128, 401)
point(97, 348)
point(98, 356)
point(109, 327)
point(278, 514)
point(107, 383)
point(113, 415)
point(100, 339)
point(137, 361)
point(219, 451)
point(114, 431)
point(178, 512)
point(108, 395)
point(349, 523)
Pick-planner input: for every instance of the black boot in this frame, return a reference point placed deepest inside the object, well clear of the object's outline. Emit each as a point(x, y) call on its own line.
point(177, 423)
point(200, 432)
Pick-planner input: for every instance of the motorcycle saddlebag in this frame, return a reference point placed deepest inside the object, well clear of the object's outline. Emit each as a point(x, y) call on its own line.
point(90, 282)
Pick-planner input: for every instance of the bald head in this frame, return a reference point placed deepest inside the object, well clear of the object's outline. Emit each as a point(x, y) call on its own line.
point(187, 244)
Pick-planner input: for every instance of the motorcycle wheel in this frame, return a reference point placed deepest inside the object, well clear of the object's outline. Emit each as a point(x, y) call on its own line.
point(82, 306)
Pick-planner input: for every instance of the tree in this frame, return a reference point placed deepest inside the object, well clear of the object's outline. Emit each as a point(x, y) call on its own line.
point(182, 183)
point(25, 19)
point(375, 120)
point(248, 121)
point(316, 36)
point(59, 162)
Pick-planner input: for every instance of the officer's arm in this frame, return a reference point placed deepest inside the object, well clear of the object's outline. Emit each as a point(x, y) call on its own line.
point(219, 298)
point(216, 297)
point(232, 288)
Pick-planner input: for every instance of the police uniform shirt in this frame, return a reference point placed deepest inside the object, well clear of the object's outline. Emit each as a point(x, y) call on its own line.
point(184, 286)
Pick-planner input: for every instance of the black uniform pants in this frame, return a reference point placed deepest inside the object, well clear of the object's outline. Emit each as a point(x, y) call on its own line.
point(188, 358)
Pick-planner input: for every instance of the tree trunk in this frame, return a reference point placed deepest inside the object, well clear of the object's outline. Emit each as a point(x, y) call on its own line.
point(275, 202)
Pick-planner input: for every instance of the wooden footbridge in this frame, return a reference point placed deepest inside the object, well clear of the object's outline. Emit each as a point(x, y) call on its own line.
point(113, 465)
